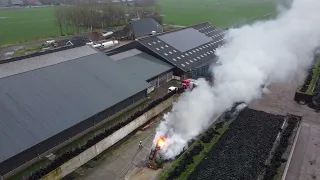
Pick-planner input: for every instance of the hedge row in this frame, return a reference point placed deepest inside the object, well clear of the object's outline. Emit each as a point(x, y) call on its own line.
point(188, 156)
point(76, 151)
point(312, 78)
point(187, 159)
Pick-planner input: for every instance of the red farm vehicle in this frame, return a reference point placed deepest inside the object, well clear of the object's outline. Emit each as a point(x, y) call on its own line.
point(189, 84)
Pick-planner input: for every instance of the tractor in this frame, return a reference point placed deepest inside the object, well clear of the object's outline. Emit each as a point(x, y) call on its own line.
point(155, 160)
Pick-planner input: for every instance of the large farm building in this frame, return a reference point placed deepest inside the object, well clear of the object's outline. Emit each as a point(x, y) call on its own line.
point(190, 50)
point(51, 98)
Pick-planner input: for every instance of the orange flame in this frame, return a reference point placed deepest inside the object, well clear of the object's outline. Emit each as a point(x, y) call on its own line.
point(161, 142)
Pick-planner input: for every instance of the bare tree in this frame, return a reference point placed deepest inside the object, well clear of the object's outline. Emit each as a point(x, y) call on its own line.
point(59, 16)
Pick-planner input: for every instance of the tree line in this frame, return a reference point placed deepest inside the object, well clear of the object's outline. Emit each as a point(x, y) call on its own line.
point(89, 17)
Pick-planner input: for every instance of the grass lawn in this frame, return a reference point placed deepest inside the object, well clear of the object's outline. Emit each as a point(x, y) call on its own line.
point(222, 13)
point(20, 25)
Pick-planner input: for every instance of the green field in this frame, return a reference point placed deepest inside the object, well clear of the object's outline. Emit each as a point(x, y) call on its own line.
point(22, 25)
point(222, 13)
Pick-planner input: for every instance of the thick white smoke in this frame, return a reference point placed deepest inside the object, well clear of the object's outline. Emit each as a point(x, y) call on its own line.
point(271, 51)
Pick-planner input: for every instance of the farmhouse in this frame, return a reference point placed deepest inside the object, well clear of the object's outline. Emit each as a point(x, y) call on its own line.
point(140, 28)
point(190, 50)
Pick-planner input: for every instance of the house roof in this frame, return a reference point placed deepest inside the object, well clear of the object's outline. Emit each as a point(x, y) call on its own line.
point(16, 2)
point(186, 48)
point(3, 3)
point(141, 64)
point(144, 27)
point(40, 100)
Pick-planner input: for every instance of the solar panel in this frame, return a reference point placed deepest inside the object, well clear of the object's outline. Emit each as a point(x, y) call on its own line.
point(188, 48)
point(185, 39)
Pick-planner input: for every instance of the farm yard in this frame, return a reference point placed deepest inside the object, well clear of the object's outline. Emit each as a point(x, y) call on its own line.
point(29, 24)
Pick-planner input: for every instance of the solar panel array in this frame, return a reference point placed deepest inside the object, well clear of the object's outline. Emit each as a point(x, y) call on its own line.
point(185, 36)
point(190, 58)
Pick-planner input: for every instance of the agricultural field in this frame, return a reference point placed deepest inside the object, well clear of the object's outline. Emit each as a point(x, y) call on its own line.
point(20, 25)
point(222, 13)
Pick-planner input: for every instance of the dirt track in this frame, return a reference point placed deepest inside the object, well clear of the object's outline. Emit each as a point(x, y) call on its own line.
point(280, 101)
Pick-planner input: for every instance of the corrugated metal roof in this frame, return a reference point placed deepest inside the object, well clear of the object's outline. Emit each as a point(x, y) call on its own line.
point(125, 54)
point(38, 104)
point(20, 66)
point(144, 66)
point(144, 27)
point(191, 58)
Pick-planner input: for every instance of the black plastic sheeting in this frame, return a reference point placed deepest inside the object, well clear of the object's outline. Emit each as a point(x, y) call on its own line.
point(74, 152)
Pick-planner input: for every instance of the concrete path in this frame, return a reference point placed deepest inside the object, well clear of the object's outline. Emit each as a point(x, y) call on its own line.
point(305, 161)
point(123, 161)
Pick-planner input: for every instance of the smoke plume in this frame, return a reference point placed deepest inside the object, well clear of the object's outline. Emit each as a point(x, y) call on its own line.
point(276, 50)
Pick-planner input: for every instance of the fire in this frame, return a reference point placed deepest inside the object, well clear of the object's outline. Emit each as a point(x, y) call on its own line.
point(161, 142)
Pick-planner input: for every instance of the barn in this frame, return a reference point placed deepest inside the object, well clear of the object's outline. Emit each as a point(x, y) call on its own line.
point(145, 66)
point(47, 100)
point(190, 50)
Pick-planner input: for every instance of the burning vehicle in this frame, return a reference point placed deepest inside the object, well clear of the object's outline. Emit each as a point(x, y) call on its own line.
point(155, 160)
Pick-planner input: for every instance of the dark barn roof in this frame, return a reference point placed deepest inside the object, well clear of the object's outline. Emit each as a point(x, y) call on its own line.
point(144, 27)
point(42, 96)
point(141, 64)
point(186, 48)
